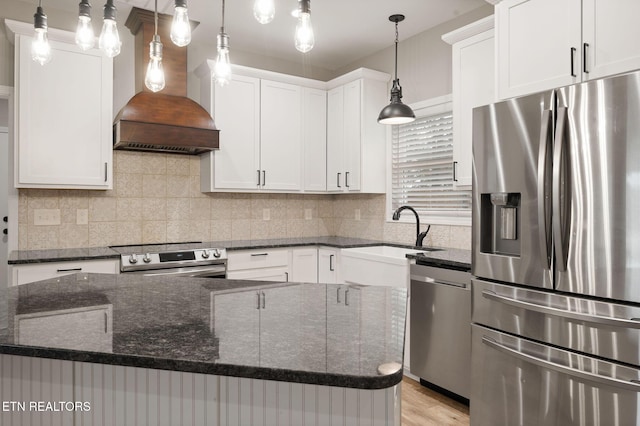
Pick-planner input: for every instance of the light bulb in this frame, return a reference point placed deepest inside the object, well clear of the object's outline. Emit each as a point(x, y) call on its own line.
point(222, 68)
point(40, 48)
point(180, 28)
point(154, 79)
point(85, 38)
point(304, 33)
point(109, 38)
point(264, 11)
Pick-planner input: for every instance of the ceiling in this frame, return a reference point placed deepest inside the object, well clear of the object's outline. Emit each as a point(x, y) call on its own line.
point(345, 30)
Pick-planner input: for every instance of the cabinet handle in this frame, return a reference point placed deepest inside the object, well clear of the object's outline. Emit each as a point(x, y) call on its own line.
point(258, 177)
point(338, 178)
point(346, 297)
point(286, 277)
point(572, 57)
point(258, 305)
point(259, 254)
point(105, 171)
point(69, 270)
point(346, 179)
point(455, 167)
point(106, 322)
point(264, 300)
point(338, 296)
point(331, 263)
point(264, 178)
point(585, 46)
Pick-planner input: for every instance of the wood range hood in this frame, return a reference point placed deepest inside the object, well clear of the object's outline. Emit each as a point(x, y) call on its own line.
point(166, 121)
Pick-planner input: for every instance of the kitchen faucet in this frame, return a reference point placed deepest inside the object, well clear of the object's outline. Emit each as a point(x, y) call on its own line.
point(419, 235)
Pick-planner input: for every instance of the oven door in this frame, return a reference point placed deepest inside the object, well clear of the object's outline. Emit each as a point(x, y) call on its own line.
point(209, 271)
point(520, 382)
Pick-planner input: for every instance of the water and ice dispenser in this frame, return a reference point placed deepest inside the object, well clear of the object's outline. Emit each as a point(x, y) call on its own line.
point(500, 223)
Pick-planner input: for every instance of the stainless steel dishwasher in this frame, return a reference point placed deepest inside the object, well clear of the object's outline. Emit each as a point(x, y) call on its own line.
point(441, 327)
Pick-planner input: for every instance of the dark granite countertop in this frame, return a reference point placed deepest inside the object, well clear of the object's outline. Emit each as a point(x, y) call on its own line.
point(212, 326)
point(443, 257)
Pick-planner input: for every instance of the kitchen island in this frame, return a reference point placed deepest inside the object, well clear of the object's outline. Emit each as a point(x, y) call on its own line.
point(161, 350)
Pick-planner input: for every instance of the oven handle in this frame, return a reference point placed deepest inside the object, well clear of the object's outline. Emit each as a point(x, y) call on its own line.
point(220, 271)
point(610, 381)
point(596, 319)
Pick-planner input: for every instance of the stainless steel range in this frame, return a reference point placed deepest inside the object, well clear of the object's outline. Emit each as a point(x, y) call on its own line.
point(191, 259)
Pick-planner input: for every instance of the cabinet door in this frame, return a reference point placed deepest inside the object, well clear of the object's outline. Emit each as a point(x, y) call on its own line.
point(327, 266)
point(610, 32)
point(63, 136)
point(280, 327)
point(343, 329)
point(539, 45)
point(352, 134)
point(237, 115)
point(314, 124)
point(263, 274)
point(239, 341)
point(304, 265)
point(335, 139)
point(281, 135)
point(473, 86)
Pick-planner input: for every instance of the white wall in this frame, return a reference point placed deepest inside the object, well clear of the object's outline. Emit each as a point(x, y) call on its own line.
point(4, 113)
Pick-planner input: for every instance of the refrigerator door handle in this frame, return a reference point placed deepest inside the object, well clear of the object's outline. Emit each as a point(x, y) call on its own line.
point(544, 309)
point(597, 378)
point(544, 216)
point(560, 193)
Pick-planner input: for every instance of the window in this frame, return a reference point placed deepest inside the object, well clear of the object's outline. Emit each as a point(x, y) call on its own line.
point(422, 166)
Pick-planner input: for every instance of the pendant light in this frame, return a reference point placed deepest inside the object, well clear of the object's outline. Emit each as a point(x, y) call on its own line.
point(40, 48)
point(180, 27)
point(85, 37)
point(154, 79)
point(264, 11)
point(109, 38)
point(304, 37)
point(222, 68)
point(396, 112)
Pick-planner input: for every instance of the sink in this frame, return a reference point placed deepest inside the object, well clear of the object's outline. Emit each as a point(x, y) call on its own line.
point(386, 254)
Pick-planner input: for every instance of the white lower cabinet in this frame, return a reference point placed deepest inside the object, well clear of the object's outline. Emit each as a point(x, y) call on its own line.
point(328, 261)
point(262, 265)
point(23, 274)
point(304, 265)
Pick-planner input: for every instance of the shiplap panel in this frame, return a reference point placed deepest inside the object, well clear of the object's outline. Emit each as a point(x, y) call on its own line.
point(310, 405)
point(337, 406)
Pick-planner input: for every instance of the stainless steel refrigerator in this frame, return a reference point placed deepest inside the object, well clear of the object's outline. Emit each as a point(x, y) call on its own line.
point(556, 257)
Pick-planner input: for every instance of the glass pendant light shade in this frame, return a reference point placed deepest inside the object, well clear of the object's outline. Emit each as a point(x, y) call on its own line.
point(85, 37)
point(396, 112)
point(40, 48)
point(222, 68)
point(264, 11)
point(304, 37)
point(180, 27)
point(109, 41)
point(154, 79)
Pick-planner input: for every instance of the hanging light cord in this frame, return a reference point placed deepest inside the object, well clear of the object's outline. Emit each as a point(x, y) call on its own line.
point(155, 17)
point(221, 28)
point(396, 70)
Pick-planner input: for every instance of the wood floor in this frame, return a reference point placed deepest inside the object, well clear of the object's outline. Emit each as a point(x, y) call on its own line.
point(424, 407)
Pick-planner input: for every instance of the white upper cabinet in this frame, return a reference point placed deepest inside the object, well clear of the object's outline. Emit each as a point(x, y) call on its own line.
point(63, 114)
point(473, 67)
point(355, 140)
point(314, 126)
point(543, 44)
point(280, 136)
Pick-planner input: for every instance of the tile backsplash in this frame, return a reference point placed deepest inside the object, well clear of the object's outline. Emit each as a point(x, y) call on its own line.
point(156, 198)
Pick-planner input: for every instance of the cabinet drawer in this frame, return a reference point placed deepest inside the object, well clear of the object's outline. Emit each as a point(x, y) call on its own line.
point(24, 274)
point(253, 259)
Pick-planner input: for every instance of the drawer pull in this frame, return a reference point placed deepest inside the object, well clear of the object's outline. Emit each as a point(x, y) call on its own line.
point(259, 254)
point(69, 270)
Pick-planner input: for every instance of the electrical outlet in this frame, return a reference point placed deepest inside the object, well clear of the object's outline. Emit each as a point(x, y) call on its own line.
point(308, 215)
point(357, 214)
point(266, 214)
point(82, 216)
point(46, 217)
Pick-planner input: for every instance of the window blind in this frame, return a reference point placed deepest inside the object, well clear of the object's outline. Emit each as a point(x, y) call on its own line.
point(422, 167)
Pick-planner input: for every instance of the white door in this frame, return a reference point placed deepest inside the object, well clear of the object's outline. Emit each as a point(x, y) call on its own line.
point(335, 139)
point(314, 136)
point(4, 204)
point(352, 134)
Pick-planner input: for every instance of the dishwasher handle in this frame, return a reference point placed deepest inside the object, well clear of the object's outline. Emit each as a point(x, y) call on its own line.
point(429, 280)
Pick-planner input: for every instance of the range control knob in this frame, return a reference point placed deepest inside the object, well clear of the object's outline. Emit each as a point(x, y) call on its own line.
point(205, 254)
point(147, 258)
point(216, 253)
point(133, 259)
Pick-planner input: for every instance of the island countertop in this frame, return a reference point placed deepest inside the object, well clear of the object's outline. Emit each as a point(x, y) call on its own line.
point(335, 335)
